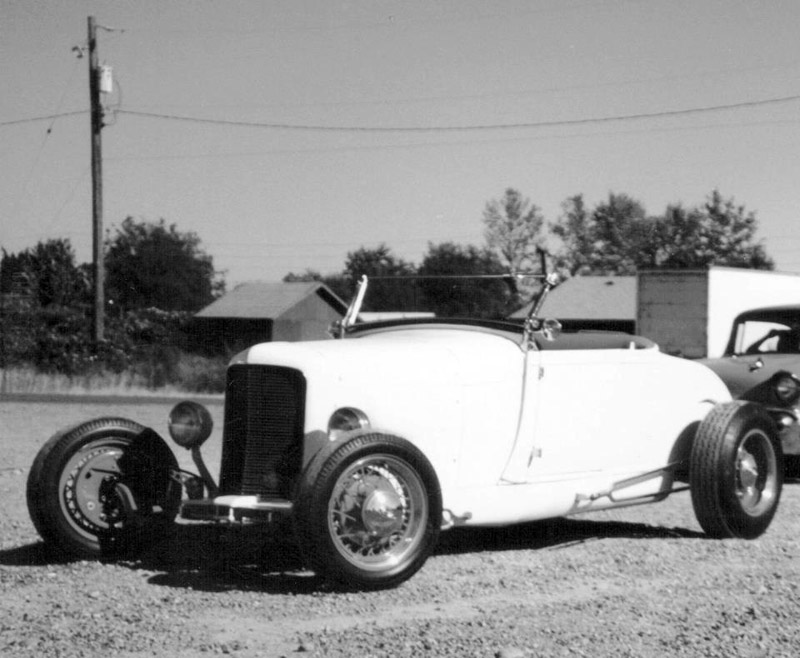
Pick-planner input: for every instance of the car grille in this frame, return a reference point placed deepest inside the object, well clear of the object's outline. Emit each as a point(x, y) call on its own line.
point(263, 432)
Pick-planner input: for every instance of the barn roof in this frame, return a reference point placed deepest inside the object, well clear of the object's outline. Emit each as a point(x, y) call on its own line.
point(591, 298)
point(265, 300)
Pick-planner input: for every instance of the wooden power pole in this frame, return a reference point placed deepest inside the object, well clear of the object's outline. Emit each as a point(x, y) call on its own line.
point(98, 268)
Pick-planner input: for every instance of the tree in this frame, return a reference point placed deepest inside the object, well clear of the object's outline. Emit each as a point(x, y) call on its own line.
point(487, 298)
point(618, 237)
point(620, 233)
point(613, 239)
point(49, 273)
point(155, 265)
point(305, 277)
point(717, 233)
point(512, 228)
point(574, 229)
point(375, 262)
point(380, 262)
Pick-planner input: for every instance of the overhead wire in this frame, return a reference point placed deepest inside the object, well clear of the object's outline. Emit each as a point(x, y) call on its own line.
point(407, 129)
point(428, 129)
point(48, 117)
point(464, 128)
point(37, 158)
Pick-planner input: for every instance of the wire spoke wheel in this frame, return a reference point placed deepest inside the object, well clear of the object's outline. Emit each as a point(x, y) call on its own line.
point(377, 512)
point(369, 512)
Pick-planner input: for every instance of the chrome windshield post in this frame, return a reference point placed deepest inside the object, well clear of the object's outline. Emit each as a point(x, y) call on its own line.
point(355, 306)
point(532, 321)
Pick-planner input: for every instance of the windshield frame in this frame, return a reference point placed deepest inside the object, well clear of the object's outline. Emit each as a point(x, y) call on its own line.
point(353, 319)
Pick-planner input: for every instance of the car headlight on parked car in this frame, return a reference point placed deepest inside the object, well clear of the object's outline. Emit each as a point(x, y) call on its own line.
point(190, 424)
point(346, 420)
point(786, 388)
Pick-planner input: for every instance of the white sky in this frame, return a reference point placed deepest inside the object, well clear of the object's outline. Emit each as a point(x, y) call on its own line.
point(266, 201)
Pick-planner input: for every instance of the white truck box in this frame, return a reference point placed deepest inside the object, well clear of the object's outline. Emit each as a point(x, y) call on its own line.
point(690, 312)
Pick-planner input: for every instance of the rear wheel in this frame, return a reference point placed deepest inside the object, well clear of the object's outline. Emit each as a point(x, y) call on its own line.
point(103, 487)
point(370, 515)
point(736, 471)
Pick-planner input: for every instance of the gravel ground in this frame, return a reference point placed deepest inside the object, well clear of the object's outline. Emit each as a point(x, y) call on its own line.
point(636, 582)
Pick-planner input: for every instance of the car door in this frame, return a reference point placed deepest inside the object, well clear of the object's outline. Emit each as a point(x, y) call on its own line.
point(583, 413)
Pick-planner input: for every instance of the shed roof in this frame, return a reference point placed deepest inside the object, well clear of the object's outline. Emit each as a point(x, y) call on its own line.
point(591, 298)
point(266, 300)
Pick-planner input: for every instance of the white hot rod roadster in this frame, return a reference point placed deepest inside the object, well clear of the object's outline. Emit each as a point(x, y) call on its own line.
point(370, 445)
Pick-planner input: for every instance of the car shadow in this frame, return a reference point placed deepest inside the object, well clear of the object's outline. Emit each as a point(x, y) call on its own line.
point(217, 559)
point(552, 533)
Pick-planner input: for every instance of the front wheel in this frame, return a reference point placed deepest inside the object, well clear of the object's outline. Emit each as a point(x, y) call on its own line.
point(102, 487)
point(370, 515)
point(736, 471)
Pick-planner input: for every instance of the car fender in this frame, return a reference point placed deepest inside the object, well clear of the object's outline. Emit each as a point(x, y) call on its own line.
point(325, 450)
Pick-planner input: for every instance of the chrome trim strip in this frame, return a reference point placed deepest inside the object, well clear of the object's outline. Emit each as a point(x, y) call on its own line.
point(233, 508)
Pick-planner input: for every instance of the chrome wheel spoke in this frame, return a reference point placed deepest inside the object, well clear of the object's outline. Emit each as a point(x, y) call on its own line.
point(378, 512)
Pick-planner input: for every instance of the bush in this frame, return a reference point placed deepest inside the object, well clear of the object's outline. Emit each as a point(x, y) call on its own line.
point(200, 374)
point(148, 346)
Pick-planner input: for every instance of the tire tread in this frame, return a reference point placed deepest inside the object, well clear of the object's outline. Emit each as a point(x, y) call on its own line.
point(709, 464)
point(312, 502)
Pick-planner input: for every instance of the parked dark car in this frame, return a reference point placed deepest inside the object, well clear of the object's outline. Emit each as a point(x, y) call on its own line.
point(762, 364)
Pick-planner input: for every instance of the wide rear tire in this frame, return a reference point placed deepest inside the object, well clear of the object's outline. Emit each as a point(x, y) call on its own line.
point(736, 471)
point(102, 488)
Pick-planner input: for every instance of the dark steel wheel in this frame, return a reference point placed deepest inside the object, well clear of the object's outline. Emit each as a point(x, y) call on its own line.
point(102, 487)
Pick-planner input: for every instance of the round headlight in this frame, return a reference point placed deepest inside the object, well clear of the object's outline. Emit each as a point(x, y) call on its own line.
point(787, 388)
point(344, 420)
point(190, 424)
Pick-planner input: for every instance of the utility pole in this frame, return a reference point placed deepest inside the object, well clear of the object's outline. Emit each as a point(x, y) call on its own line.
point(98, 268)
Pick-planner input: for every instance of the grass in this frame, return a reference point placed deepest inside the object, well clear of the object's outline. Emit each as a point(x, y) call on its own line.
point(192, 376)
point(29, 381)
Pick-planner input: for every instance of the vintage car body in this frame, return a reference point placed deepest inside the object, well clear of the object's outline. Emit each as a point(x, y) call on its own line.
point(373, 443)
point(762, 364)
point(493, 421)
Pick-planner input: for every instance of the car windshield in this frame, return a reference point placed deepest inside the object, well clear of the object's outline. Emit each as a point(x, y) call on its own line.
point(470, 297)
point(767, 336)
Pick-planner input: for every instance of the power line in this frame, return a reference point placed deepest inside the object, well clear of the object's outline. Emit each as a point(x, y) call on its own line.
point(504, 94)
point(49, 117)
point(35, 163)
point(433, 144)
point(464, 128)
point(426, 129)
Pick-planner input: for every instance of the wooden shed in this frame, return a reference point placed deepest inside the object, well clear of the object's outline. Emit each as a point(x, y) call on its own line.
point(258, 311)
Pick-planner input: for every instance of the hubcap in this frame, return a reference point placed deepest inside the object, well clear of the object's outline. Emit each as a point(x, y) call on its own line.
point(378, 512)
point(756, 473)
point(382, 513)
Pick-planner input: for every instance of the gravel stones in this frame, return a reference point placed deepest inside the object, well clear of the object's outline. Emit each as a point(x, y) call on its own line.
point(642, 581)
